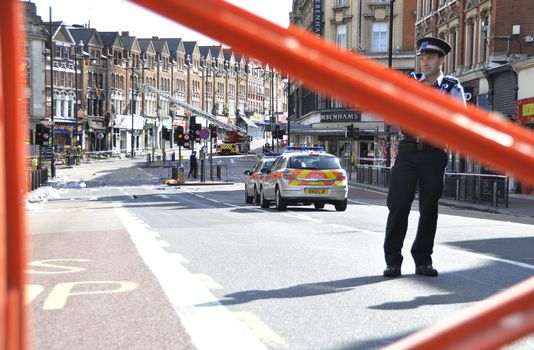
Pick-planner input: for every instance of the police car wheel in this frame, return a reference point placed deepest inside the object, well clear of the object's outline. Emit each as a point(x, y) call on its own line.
point(280, 201)
point(318, 205)
point(248, 199)
point(263, 202)
point(256, 197)
point(341, 205)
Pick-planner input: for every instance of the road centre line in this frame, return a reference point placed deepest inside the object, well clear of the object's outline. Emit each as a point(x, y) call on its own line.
point(210, 324)
point(460, 251)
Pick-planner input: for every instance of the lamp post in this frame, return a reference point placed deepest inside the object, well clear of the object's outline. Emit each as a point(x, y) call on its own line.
point(52, 53)
point(390, 64)
point(132, 111)
point(272, 109)
point(76, 136)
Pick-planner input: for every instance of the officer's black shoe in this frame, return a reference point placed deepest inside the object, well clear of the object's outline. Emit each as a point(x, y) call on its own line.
point(426, 270)
point(392, 271)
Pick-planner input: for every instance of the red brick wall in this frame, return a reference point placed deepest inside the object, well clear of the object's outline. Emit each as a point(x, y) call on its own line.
point(505, 16)
point(408, 30)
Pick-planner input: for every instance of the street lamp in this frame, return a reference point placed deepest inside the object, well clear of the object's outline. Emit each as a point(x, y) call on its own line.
point(272, 110)
point(132, 111)
point(390, 63)
point(52, 53)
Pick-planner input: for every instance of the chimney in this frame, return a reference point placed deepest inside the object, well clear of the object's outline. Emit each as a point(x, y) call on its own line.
point(155, 38)
point(125, 33)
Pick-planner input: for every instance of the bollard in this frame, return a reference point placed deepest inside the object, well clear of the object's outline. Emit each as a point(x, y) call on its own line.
point(218, 171)
point(148, 159)
point(174, 172)
point(173, 156)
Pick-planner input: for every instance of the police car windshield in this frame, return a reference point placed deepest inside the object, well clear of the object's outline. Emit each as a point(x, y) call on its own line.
point(268, 164)
point(314, 162)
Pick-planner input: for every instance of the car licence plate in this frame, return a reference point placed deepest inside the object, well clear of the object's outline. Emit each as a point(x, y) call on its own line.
point(315, 191)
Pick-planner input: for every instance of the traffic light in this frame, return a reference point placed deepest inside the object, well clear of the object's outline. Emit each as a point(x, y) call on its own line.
point(350, 131)
point(197, 128)
point(179, 136)
point(213, 130)
point(166, 134)
point(42, 135)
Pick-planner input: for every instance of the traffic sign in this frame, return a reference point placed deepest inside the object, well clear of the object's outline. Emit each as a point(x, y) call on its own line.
point(204, 134)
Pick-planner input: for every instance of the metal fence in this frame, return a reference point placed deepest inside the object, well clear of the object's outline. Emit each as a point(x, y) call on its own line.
point(35, 178)
point(478, 188)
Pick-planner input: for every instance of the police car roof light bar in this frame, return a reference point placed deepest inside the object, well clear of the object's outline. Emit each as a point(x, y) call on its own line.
point(304, 148)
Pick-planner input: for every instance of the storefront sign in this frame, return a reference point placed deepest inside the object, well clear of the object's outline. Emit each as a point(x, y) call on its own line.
point(335, 117)
point(332, 138)
point(317, 16)
point(525, 110)
point(63, 128)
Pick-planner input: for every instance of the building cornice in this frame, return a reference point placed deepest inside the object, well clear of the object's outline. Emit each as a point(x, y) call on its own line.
point(524, 64)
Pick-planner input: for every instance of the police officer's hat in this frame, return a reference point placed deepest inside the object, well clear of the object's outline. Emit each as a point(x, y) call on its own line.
point(431, 44)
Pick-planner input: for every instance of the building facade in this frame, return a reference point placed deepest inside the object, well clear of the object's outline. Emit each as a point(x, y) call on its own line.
point(492, 48)
point(361, 27)
point(95, 93)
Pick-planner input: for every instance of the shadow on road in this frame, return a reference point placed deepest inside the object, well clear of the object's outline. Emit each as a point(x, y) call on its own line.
point(299, 291)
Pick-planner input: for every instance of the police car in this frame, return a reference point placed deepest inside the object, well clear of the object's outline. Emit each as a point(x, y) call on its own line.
point(253, 181)
point(304, 175)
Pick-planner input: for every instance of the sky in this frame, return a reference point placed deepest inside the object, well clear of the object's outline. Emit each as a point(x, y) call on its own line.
point(123, 15)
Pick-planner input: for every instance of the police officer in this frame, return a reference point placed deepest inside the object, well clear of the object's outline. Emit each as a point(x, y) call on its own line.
point(418, 162)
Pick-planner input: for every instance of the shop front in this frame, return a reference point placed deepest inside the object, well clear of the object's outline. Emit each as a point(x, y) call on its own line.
point(122, 133)
point(63, 134)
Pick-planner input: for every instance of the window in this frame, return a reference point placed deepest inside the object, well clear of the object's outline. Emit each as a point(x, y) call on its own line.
point(341, 35)
point(58, 51)
point(380, 37)
point(341, 2)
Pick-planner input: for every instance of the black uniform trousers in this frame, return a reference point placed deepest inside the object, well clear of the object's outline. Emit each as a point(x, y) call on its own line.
point(426, 167)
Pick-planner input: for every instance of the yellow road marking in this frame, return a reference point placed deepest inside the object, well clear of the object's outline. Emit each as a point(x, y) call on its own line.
point(260, 330)
point(58, 296)
point(207, 281)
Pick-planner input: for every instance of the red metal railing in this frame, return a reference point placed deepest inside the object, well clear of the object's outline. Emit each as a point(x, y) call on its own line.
point(321, 66)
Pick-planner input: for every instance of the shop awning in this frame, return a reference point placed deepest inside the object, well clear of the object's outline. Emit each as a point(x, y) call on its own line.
point(249, 122)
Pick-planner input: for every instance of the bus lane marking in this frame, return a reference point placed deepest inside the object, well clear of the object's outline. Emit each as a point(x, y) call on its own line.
point(209, 323)
point(62, 291)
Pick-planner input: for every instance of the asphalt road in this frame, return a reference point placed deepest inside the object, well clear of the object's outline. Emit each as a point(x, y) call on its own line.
point(156, 267)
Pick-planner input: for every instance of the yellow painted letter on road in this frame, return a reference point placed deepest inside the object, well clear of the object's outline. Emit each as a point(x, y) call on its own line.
point(31, 292)
point(48, 264)
point(58, 296)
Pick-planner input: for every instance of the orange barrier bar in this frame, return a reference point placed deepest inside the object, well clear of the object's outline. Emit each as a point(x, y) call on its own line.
point(363, 83)
point(490, 324)
point(13, 128)
point(420, 110)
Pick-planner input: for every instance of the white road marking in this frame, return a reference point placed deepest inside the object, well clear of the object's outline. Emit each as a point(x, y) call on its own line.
point(232, 205)
point(301, 217)
point(208, 322)
point(126, 193)
point(164, 196)
point(443, 246)
point(362, 203)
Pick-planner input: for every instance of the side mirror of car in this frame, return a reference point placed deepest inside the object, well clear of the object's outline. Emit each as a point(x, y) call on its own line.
point(247, 172)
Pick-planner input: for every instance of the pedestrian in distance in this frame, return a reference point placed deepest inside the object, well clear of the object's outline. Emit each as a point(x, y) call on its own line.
point(192, 165)
point(419, 162)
